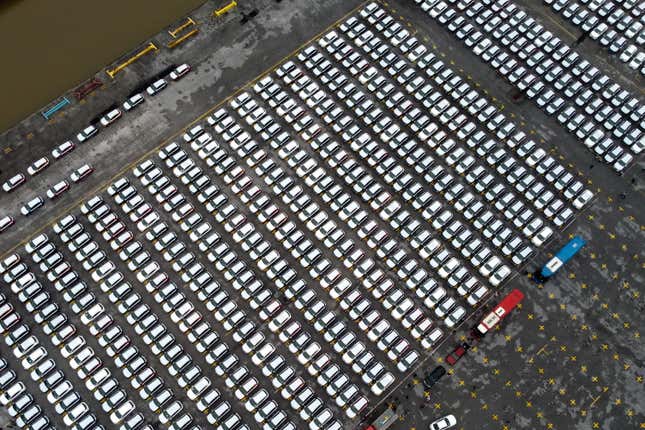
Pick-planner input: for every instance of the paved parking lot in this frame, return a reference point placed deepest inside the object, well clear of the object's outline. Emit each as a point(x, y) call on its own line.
point(616, 27)
point(304, 255)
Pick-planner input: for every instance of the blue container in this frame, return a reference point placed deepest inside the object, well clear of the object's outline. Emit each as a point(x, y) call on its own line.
point(562, 257)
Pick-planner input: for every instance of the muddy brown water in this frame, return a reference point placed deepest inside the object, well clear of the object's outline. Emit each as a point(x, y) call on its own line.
point(49, 46)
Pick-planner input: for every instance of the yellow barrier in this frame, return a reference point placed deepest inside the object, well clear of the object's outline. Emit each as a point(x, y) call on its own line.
point(176, 42)
point(182, 27)
point(151, 47)
point(222, 11)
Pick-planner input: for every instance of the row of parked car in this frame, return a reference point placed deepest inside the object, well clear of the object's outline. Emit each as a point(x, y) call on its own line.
point(398, 226)
point(333, 237)
point(20, 404)
point(110, 335)
point(209, 291)
point(204, 146)
point(66, 147)
point(398, 349)
point(54, 192)
point(616, 25)
point(155, 334)
point(268, 260)
point(285, 149)
point(93, 315)
point(275, 366)
point(118, 346)
point(526, 174)
point(343, 247)
point(225, 310)
point(238, 139)
point(33, 356)
point(597, 110)
point(416, 157)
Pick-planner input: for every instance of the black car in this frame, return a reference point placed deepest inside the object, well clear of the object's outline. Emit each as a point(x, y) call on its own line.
point(434, 376)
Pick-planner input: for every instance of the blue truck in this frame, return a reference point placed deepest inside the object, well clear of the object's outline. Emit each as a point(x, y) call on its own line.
point(561, 258)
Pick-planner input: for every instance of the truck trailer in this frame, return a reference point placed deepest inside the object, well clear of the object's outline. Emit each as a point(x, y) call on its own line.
point(501, 311)
point(565, 254)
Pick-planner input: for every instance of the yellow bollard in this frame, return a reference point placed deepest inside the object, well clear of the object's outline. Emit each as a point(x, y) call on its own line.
point(222, 11)
point(182, 27)
point(151, 47)
point(174, 43)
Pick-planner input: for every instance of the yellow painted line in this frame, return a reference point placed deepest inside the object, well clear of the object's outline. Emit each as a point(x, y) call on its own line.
point(105, 184)
point(594, 402)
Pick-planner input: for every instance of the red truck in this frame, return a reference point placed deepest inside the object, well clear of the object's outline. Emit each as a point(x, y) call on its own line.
point(500, 312)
